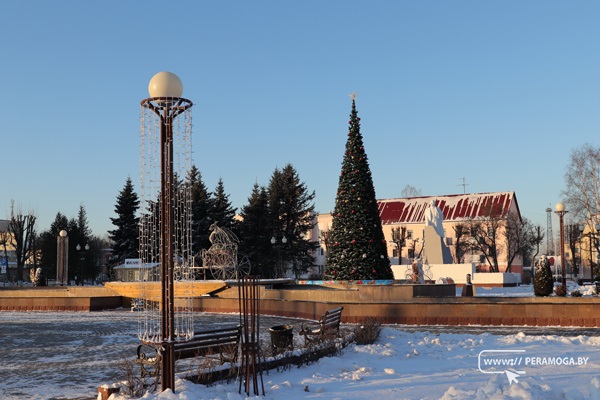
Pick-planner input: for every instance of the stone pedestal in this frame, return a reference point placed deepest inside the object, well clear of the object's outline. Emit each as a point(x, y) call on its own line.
point(436, 251)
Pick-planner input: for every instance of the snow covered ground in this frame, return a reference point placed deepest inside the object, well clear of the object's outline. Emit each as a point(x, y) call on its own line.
point(430, 366)
point(401, 365)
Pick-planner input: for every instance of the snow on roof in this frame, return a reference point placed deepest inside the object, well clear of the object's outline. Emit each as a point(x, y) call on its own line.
point(455, 207)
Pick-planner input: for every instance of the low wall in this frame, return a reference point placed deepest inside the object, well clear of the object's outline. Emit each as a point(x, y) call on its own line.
point(458, 273)
point(532, 311)
point(152, 290)
point(497, 279)
point(399, 304)
point(66, 298)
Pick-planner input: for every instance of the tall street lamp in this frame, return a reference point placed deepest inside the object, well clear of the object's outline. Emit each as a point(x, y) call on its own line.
point(62, 258)
point(165, 89)
point(279, 271)
point(560, 211)
point(82, 261)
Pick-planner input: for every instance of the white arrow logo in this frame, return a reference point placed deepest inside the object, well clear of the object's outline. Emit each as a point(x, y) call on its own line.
point(512, 377)
point(489, 360)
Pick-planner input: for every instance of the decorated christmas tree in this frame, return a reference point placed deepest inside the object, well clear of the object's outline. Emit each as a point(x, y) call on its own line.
point(356, 247)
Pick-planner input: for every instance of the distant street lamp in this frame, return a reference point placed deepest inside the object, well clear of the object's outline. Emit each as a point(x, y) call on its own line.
point(62, 258)
point(82, 261)
point(560, 211)
point(279, 271)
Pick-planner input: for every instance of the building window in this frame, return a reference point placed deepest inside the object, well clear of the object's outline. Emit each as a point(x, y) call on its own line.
point(409, 234)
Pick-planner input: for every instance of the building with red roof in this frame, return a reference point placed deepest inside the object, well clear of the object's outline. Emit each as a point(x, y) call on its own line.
point(409, 213)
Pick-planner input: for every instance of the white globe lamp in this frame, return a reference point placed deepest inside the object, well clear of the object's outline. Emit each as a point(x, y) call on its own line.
point(165, 84)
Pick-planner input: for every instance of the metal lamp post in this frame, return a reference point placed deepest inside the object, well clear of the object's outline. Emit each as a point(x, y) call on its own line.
point(279, 261)
point(560, 211)
point(62, 258)
point(165, 90)
point(82, 259)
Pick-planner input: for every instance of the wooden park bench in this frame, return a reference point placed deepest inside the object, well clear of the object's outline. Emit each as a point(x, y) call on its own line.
point(221, 342)
point(328, 324)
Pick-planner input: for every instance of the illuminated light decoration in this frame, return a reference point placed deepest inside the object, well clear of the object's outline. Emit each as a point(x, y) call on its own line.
point(165, 224)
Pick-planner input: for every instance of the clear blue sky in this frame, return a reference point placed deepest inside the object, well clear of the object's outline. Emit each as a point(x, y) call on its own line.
point(497, 92)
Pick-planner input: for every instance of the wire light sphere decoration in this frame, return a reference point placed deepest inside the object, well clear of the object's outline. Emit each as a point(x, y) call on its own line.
point(165, 227)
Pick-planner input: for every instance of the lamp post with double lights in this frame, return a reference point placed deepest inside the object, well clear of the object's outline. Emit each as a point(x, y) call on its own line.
point(165, 89)
point(82, 254)
point(560, 211)
point(278, 246)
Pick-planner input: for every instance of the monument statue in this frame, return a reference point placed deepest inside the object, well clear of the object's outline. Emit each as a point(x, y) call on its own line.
point(434, 218)
point(436, 251)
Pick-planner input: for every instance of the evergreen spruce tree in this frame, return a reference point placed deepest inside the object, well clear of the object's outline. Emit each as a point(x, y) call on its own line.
point(83, 225)
point(79, 235)
point(542, 280)
point(201, 207)
point(292, 215)
point(255, 237)
point(357, 248)
point(125, 238)
point(221, 211)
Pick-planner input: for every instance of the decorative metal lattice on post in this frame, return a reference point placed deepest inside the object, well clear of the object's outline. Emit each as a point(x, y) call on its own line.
point(250, 366)
point(222, 258)
point(165, 221)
